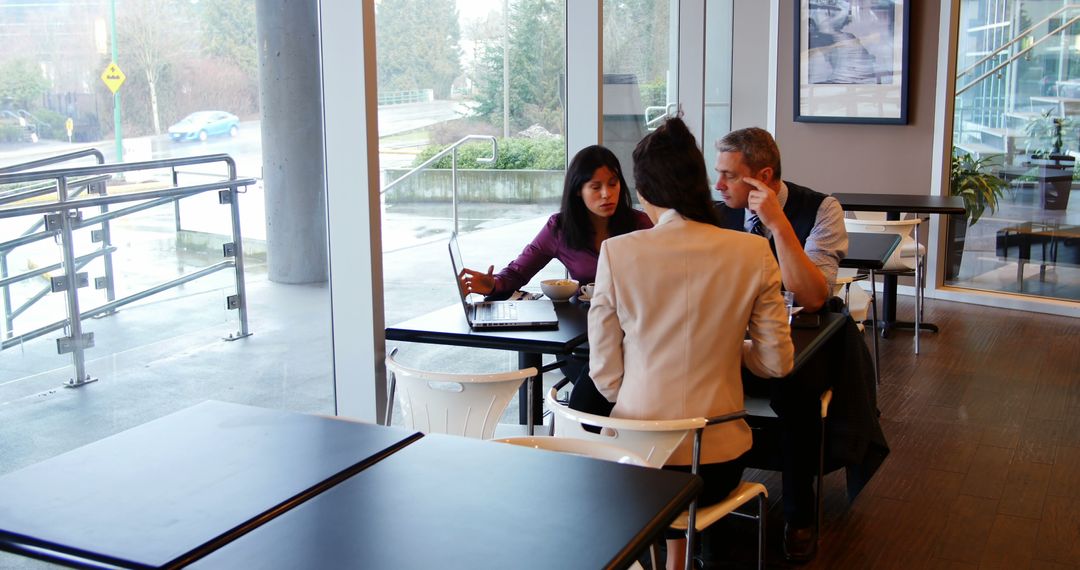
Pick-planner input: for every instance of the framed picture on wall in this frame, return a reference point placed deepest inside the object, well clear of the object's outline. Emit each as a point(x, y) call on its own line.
point(851, 61)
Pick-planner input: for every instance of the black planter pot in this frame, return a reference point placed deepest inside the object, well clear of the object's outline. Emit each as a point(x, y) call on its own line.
point(957, 233)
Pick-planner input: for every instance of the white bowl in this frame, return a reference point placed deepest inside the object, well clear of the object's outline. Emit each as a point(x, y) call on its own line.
point(559, 289)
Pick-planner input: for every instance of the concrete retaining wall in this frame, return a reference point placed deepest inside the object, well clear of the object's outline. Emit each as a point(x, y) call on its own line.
point(502, 186)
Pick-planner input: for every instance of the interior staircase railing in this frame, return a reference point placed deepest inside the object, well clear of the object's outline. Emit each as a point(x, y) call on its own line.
point(1020, 53)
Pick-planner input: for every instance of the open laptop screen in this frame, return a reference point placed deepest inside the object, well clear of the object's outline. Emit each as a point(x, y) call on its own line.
point(458, 266)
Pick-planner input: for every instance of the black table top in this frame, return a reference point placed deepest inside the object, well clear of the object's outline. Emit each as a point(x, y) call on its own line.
point(447, 502)
point(914, 203)
point(172, 489)
point(448, 326)
point(867, 250)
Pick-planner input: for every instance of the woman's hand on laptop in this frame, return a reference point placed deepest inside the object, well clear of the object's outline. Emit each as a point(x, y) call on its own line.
point(473, 281)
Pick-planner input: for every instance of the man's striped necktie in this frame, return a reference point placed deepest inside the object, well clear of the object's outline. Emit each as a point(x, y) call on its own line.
point(756, 227)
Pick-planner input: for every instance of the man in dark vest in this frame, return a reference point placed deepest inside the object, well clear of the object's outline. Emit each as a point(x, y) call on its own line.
point(806, 231)
point(806, 228)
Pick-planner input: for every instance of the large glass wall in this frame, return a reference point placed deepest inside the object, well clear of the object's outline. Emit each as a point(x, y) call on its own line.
point(488, 80)
point(1016, 139)
point(160, 294)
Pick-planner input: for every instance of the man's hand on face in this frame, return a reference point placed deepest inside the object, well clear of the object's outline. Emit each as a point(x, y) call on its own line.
point(762, 201)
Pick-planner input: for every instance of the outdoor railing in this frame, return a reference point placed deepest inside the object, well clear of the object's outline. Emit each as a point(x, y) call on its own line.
point(451, 150)
point(76, 186)
point(65, 215)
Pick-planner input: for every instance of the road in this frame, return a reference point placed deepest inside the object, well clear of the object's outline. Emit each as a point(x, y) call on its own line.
point(246, 147)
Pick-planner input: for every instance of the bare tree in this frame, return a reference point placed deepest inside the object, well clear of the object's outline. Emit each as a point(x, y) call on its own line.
point(152, 38)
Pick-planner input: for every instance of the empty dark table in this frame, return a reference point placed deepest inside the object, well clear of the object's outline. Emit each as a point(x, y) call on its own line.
point(170, 490)
point(893, 205)
point(869, 250)
point(448, 326)
point(448, 502)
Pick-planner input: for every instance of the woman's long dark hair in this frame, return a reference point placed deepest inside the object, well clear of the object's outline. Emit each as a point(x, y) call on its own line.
point(670, 172)
point(575, 228)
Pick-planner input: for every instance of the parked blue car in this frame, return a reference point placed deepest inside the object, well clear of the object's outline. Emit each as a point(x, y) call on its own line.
point(202, 125)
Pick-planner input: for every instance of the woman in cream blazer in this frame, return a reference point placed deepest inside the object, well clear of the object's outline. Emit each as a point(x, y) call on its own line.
point(671, 308)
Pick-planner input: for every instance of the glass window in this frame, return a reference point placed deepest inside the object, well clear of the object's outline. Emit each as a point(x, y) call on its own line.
point(488, 74)
point(1015, 144)
point(640, 72)
point(160, 282)
point(455, 90)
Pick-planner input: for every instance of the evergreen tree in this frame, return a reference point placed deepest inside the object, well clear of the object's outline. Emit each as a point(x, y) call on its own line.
point(537, 64)
point(417, 45)
point(229, 30)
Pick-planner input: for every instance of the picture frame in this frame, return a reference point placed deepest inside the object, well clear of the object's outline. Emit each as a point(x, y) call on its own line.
point(851, 61)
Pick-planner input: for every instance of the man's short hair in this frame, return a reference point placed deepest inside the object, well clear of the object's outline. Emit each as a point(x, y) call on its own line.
point(757, 146)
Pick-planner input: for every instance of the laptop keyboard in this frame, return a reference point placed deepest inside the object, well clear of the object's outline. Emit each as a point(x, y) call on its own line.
point(497, 312)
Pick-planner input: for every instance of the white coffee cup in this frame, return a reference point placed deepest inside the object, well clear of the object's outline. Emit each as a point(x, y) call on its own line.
point(587, 290)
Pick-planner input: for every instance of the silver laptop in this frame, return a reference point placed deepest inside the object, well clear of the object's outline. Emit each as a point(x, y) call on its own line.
point(539, 314)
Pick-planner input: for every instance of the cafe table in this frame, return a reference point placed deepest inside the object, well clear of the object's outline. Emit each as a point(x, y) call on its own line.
point(448, 326)
point(169, 491)
point(868, 250)
point(893, 205)
point(449, 502)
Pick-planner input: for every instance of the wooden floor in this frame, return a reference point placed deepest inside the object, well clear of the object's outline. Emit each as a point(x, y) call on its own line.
point(984, 427)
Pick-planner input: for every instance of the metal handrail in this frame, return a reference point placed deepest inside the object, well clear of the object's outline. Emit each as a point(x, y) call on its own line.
point(120, 167)
point(171, 193)
point(451, 150)
point(1016, 56)
point(54, 160)
point(1015, 39)
point(654, 122)
point(50, 188)
point(79, 187)
point(64, 217)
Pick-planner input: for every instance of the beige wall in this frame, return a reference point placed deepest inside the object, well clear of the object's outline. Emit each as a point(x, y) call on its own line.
point(830, 158)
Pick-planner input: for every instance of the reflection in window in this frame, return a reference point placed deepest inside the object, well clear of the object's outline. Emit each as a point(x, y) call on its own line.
point(1015, 133)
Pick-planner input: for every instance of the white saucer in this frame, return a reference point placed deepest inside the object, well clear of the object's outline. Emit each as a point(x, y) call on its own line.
point(584, 299)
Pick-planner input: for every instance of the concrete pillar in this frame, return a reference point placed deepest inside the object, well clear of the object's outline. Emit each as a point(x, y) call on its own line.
point(292, 140)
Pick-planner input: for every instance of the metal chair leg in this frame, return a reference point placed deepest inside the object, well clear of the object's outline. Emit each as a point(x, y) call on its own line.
point(873, 307)
point(918, 274)
point(762, 512)
point(389, 415)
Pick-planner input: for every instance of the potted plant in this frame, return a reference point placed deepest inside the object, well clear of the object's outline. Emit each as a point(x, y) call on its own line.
point(970, 178)
point(1046, 136)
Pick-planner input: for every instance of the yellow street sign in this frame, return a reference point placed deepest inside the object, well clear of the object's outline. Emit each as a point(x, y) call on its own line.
point(69, 126)
point(113, 77)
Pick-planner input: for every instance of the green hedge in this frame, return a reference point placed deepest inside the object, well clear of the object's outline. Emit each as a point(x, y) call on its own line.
point(52, 125)
point(11, 133)
point(514, 154)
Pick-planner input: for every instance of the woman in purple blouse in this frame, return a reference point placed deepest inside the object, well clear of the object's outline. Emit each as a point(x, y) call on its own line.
point(595, 206)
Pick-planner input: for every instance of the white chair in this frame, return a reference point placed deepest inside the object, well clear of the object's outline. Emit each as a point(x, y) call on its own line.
point(468, 405)
point(655, 441)
point(898, 263)
point(907, 247)
point(587, 448)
